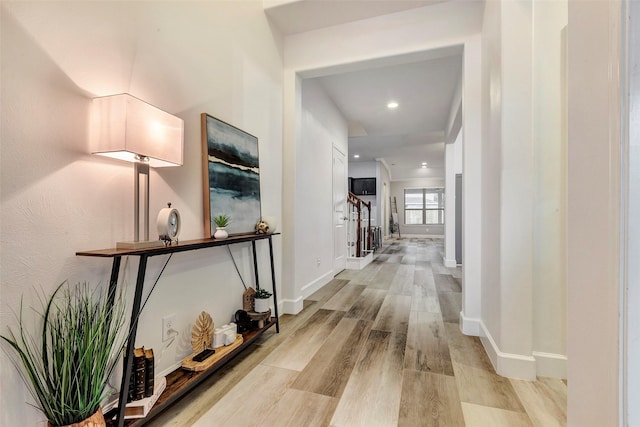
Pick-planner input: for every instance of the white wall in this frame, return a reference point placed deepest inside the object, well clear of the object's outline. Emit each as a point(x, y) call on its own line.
point(384, 210)
point(524, 224)
point(549, 188)
point(453, 161)
point(473, 200)
point(633, 226)
point(57, 198)
point(491, 162)
point(593, 341)
point(397, 191)
point(322, 127)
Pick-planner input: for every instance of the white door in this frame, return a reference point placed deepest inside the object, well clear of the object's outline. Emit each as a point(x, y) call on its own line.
point(339, 210)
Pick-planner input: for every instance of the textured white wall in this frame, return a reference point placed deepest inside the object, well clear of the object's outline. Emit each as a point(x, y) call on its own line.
point(57, 198)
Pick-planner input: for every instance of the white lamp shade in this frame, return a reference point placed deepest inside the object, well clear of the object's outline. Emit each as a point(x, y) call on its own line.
point(126, 128)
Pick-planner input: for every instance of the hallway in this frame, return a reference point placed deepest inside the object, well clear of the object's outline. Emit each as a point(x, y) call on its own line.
point(375, 347)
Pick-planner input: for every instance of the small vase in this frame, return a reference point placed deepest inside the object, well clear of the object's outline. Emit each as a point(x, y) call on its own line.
point(221, 233)
point(261, 305)
point(95, 420)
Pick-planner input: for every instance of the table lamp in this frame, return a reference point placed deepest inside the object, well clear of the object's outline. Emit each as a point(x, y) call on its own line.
point(126, 128)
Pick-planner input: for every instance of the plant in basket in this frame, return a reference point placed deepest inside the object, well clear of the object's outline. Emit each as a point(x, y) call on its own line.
point(66, 363)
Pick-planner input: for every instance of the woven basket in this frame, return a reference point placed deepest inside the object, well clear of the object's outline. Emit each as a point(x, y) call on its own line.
point(95, 420)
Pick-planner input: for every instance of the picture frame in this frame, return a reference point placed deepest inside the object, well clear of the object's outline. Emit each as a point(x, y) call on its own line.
point(230, 176)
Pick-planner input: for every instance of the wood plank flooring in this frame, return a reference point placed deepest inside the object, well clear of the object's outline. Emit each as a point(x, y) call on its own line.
point(376, 347)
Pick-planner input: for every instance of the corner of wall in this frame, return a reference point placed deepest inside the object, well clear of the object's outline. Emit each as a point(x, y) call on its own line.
point(507, 364)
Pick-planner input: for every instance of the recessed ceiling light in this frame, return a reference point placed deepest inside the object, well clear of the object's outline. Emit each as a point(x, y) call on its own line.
point(356, 156)
point(391, 105)
point(423, 166)
point(424, 163)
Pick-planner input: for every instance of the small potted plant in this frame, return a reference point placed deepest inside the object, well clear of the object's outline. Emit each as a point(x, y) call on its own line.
point(221, 222)
point(67, 362)
point(261, 300)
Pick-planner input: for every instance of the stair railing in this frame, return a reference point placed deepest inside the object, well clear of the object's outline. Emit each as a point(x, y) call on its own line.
point(359, 235)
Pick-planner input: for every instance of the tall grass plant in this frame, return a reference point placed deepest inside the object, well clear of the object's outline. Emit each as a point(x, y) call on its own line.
point(67, 364)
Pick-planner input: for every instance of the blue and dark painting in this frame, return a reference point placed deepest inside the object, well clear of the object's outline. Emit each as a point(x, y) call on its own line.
point(234, 175)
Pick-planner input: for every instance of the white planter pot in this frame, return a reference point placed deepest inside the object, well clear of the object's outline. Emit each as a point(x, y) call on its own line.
point(221, 233)
point(261, 305)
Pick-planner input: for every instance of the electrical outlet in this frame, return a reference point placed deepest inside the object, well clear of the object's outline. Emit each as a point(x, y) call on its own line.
point(318, 261)
point(167, 326)
point(427, 229)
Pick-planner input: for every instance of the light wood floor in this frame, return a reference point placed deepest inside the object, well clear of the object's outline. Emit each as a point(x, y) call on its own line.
point(375, 347)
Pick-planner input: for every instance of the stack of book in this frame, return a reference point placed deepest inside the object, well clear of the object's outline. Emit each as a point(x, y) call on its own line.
point(142, 373)
point(143, 391)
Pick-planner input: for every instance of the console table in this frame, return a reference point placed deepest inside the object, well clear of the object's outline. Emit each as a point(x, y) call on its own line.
point(179, 382)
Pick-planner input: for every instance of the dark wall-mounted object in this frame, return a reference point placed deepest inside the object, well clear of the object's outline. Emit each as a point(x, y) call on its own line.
point(363, 186)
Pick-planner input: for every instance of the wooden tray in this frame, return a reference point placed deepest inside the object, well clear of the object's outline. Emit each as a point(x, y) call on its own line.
point(190, 365)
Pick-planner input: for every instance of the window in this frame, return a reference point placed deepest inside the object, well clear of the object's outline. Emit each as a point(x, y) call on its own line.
point(423, 206)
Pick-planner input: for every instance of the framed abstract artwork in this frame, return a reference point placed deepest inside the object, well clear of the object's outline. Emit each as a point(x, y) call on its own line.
point(231, 176)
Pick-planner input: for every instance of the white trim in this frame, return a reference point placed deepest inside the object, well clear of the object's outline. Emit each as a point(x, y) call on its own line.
point(550, 364)
point(313, 286)
point(507, 364)
point(469, 326)
point(424, 236)
point(450, 263)
point(358, 263)
point(289, 306)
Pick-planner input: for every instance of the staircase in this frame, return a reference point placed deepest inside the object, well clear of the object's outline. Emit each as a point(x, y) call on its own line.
point(362, 238)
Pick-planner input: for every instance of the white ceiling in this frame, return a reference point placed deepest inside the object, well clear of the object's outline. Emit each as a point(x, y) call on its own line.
point(424, 85)
point(297, 16)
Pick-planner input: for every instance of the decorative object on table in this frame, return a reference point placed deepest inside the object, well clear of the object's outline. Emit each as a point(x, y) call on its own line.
point(262, 227)
point(66, 373)
point(225, 335)
point(259, 318)
point(149, 372)
point(243, 320)
point(261, 300)
point(247, 299)
point(168, 224)
point(126, 128)
point(231, 175)
point(140, 408)
point(230, 339)
point(271, 221)
point(202, 337)
point(222, 222)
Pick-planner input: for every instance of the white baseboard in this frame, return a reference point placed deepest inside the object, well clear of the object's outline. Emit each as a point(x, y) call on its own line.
point(550, 364)
point(359, 263)
point(469, 326)
point(316, 284)
point(507, 364)
point(289, 306)
point(450, 263)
